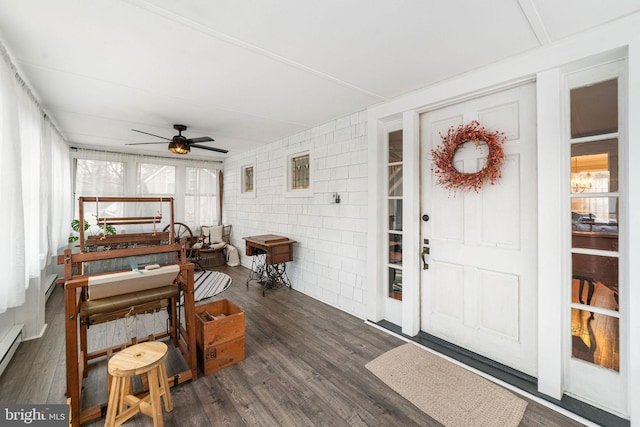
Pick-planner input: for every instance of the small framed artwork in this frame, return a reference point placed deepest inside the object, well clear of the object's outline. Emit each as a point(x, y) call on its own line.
point(248, 180)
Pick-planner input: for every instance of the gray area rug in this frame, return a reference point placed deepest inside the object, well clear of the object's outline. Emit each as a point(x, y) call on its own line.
point(209, 283)
point(446, 392)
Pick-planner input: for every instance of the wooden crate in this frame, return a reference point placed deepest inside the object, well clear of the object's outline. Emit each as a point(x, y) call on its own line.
point(222, 355)
point(213, 332)
point(221, 340)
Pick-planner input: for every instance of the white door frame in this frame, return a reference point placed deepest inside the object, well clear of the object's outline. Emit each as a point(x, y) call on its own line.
point(546, 67)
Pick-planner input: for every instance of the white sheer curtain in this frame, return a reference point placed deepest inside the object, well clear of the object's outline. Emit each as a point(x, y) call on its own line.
point(31, 127)
point(12, 250)
point(35, 196)
point(192, 183)
point(58, 173)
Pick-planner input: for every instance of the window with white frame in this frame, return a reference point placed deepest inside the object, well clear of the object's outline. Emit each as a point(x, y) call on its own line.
point(394, 230)
point(193, 184)
point(99, 178)
point(156, 179)
point(299, 173)
point(595, 142)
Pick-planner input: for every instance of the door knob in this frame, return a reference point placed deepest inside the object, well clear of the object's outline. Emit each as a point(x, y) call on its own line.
point(425, 217)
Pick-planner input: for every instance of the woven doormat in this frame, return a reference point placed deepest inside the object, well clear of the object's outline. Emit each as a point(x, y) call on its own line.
point(447, 392)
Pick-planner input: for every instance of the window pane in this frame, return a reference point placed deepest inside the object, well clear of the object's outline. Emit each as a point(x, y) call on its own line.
point(594, 222)
point(99, 178)
point(192, 180)
point(595, 280)
point(395, 181)
point(395, 146)
point(595, 338)
point(395, 283)
point(395, 249)
point(200, 206)
point(594, 167)
point(156, 179)
point(300, 172)
point(200, 210)
point(207, 182)
point(395, 215)
point(594, 109)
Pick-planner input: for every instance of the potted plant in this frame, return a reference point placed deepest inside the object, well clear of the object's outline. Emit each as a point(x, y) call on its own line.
point(75, 226)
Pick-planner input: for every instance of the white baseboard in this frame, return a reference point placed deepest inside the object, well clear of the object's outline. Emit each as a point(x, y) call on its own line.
point(9, 345)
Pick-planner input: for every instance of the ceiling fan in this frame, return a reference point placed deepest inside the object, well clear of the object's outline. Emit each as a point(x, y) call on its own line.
point(180, 144)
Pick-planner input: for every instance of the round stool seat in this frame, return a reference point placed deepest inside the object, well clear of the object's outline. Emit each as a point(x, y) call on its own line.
point(137, 359)
point(146, 359)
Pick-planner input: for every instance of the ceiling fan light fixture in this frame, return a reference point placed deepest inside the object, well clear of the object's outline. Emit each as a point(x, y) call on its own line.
point(179, 147)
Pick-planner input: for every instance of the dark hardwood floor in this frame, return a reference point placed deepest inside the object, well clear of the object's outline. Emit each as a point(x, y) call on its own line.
point(305, 366)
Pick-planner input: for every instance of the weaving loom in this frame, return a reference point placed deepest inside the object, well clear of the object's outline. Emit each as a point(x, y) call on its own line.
point(97, 297)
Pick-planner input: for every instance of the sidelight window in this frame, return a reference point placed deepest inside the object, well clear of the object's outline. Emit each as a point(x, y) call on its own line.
point(595, 225)
point(394, 231)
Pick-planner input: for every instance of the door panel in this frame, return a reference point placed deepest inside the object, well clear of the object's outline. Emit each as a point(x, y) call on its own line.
point(445, 301)
point(499, 314)
point(480, 290)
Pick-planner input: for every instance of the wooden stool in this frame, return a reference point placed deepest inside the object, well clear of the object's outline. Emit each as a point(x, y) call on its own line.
point(146, 358)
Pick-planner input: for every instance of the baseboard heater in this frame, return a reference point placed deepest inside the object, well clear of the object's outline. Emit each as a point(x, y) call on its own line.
point(51, 285)
point(9, 345)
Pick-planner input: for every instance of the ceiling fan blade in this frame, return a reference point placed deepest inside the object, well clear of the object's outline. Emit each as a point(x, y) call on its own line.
point(145, 143)
point(199, 139)
point(147, 133)
point(204, 147)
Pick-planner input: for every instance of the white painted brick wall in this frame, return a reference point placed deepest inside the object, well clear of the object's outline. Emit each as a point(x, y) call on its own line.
point(330, 256)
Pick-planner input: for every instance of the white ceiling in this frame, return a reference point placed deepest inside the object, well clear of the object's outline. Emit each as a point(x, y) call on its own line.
point(249, 72)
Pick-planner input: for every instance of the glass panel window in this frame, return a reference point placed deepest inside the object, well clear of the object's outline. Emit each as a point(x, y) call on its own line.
point(595, 338)
point(99, 178)
point(395, 249)
point(154, 179)
point(594, 167)
point(595, 256)
point(394, 197)
point(395, 146)
point(395, 180)
point(594, 222)
point(594, 109)
point(298, 181)
point(395, 283)
point(200, 202)
point(595, 280)
point(300, 172)
point(395, 215)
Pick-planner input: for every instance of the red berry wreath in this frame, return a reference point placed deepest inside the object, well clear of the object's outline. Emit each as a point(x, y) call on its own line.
point(452, 179)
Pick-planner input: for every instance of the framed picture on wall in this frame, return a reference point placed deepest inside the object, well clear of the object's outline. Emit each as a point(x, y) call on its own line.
point(248, 179)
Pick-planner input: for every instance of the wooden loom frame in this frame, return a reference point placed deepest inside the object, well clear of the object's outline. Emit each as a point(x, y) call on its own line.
point(75, 293)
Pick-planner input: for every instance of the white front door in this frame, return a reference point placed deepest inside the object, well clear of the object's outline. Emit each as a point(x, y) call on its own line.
point(480, 289)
